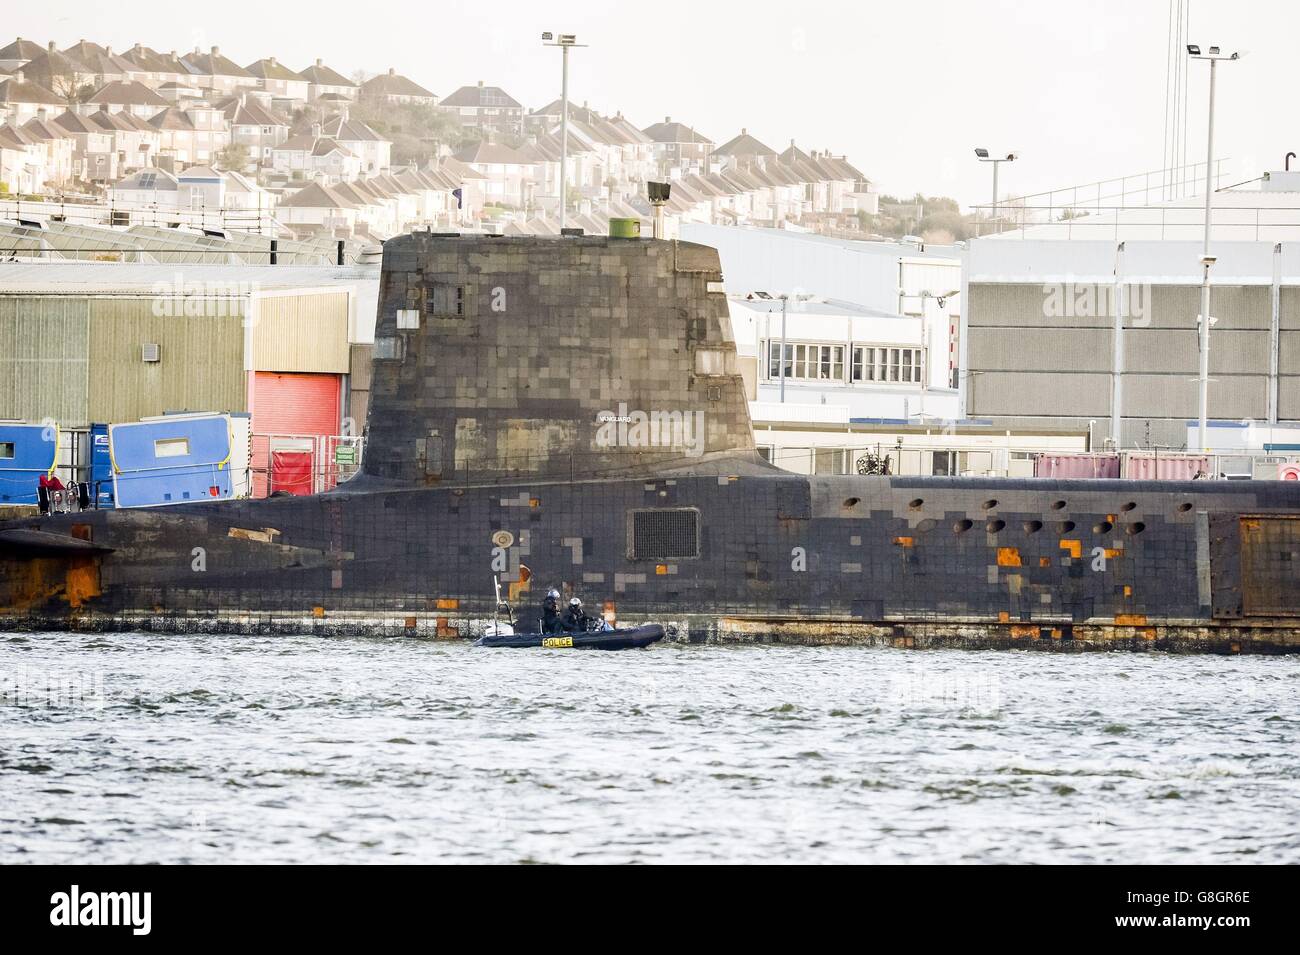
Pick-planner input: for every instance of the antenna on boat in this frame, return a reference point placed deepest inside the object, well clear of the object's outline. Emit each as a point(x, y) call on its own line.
point(510, 615)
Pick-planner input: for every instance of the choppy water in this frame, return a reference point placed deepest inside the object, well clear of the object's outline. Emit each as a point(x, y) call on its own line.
point(145, 748)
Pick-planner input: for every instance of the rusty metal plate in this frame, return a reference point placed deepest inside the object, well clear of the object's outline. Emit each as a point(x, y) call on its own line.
point(1270, 565)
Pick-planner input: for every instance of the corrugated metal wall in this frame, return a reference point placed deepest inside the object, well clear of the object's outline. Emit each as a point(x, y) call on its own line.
point(43, 358)
point(201, 368)
point(1288, 389)
point(77, 358)
point(302, 332)
point(1030, 360)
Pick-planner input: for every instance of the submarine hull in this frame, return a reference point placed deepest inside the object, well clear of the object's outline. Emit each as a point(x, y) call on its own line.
point(910, 562)
point(569, 412)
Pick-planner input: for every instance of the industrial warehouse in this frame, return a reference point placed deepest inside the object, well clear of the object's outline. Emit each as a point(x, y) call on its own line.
point(1090, 324)
point(85, 344)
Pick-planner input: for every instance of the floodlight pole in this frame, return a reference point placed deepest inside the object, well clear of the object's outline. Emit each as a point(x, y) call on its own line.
point(564, 41)
point(1213, 55)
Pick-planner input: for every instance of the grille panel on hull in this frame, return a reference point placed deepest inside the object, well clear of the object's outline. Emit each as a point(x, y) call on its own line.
point(665, 534)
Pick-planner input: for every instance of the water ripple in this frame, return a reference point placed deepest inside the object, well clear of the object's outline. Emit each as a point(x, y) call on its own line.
point(145, 748)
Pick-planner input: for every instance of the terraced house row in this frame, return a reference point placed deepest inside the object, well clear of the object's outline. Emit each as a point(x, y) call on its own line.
point(127, 128)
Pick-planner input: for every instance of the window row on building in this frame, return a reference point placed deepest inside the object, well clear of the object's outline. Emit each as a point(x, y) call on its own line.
point(808, 361)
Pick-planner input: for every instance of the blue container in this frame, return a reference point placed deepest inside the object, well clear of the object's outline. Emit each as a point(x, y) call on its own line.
point(171, 460)
point(26, 452)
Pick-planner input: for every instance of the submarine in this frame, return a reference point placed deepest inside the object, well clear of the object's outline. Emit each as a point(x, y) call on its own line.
point(567, 412)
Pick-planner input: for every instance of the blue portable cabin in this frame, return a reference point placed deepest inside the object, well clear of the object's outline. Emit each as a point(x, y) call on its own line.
point(26, 452)
point(174, 459)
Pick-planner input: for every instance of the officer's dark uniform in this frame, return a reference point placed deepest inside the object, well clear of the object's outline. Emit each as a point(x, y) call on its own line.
point(575, 621)
point(551, 615)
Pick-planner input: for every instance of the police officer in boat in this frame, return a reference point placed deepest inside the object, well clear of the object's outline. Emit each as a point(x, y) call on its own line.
point(551, 612)
point(575, 620)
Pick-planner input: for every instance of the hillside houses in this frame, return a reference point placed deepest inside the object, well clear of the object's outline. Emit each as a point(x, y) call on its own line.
point(85, 118)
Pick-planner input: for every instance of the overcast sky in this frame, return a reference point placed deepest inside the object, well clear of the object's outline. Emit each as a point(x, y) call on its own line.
point(906, 89)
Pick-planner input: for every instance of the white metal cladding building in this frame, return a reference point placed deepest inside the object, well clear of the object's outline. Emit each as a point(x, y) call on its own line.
point(1043, 347)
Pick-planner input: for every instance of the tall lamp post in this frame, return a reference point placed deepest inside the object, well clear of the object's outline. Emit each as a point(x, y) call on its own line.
point(564, 41)
point(984, 156)
point(1203, 322)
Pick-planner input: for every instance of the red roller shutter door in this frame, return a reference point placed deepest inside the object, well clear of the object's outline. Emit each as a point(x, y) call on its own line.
point(291, 405)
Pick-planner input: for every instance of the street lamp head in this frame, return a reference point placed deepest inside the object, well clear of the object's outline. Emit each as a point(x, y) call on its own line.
point(1212, 53)
point(1012, 157)
point(547, 36)
point(1207, 260)
point(567, 39)
point(982, 153)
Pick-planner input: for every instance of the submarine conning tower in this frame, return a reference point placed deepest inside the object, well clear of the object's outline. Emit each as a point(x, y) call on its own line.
point(579, 356)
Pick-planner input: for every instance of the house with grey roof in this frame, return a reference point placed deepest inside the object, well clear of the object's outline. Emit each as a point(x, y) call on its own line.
point(22, 161)
point(317, 208)
point(58, 146)
point(191, 135)
point(213, 71)
point(509, 173)
point(134, 140)
point(146, 189)
point(489, 109)
point(94, 157)
point(313, 156)
point(129, 96)
point(159, 68)
point(59, 73)
point(106, 65)
point(22, 99)
point(323, 81)
point(255, 127)
point(393, 87)
point(678, 146)
point(374, 150)
point(15, 55)
point(278, 80)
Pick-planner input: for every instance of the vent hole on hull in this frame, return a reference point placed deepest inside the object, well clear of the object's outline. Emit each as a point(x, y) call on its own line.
point(1033, 527)
point(1129, 506)
point(1105, 527)
point(1058, 506)
point(1185, 506)
point(852, 501)
point(994, 526)
point(915, 503)
point(1065, 527)
point(990, 504)
point(928, 524)
point(961, 527)
point(1137, 527)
